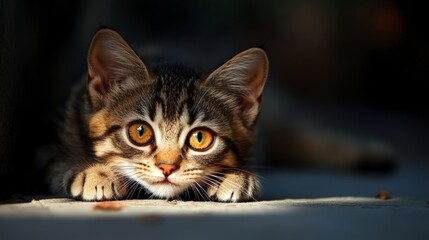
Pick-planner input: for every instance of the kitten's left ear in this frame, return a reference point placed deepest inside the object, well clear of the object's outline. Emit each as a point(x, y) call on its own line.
point(243, 77)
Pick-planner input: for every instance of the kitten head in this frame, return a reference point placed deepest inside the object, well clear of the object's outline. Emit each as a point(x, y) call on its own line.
point(170, 128)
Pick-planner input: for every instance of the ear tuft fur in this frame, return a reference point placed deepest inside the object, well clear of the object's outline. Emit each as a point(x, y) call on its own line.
point(244, 77)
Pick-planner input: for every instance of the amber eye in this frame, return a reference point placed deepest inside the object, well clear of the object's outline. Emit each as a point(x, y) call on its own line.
point(140, 133)
point(200, 139)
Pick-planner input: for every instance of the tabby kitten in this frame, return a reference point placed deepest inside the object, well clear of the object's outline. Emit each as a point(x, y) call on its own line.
point(169, 129)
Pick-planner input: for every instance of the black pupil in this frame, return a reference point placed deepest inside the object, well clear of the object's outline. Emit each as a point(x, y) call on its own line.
point(199, 136)
point(140, 130)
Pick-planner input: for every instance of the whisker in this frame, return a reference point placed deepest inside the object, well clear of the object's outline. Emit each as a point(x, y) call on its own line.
point(203, 191)
point(187, 193)
point(241, 170)
point(225, 180)
point(231, 183)
point(192, 187)
point(218, 185)
point(138, 194)
point(198, 193)
point(133, 188)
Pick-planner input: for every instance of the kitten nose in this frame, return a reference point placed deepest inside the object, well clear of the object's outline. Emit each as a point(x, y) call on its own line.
point(167, 169)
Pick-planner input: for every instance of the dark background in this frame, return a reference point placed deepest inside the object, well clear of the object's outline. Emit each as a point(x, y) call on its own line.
point(366, 54)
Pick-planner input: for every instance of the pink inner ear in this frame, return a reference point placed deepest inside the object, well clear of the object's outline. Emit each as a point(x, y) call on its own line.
point(98, 85)
point(96, 70)
point(96, 77)
point(255, 87)
point(103, 70)
point(256, 84)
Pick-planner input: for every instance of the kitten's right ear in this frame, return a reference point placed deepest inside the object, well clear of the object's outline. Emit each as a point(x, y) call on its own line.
point(111, 61)
point(243, 78)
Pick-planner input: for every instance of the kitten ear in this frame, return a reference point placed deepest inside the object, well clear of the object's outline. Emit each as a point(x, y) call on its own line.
point(111, 61)
point(243, 77)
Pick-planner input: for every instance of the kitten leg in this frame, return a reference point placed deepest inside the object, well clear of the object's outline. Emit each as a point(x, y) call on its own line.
point(234, 187)
point(96, 183)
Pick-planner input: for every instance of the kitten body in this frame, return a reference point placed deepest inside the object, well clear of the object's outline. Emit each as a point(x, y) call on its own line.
point(169, 129)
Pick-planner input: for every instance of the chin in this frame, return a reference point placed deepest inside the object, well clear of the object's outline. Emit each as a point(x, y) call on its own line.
point(163, 190)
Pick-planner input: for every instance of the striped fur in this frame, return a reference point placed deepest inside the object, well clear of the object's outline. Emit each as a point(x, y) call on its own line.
point(98, 161)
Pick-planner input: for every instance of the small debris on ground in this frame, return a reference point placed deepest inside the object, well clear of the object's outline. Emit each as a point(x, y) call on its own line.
point(383, 195)
point(109, 206)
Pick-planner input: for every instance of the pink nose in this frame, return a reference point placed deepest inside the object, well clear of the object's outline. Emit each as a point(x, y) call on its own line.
point(167, 169)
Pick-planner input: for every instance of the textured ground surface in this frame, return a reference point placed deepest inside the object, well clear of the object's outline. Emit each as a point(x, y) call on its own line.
point(334, 218)
point(66, 208)
point(338, 218)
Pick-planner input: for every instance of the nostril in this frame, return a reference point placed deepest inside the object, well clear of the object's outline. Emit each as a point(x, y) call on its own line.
point(167, 169)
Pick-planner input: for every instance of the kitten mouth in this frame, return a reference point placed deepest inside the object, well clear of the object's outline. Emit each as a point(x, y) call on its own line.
point(164, 182)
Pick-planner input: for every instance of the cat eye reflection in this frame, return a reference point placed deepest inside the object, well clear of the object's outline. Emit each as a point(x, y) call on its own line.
point(140, 133)
point(200, 139)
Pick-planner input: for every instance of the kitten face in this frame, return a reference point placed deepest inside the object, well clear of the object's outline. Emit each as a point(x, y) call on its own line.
point(169, 128)
point(188, 127)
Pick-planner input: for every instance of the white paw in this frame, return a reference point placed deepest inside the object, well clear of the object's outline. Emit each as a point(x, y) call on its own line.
point(96, 183)
point(234, 187)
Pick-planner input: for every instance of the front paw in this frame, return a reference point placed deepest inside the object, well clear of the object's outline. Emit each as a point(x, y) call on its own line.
point(234, 187)
point(96, 183)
